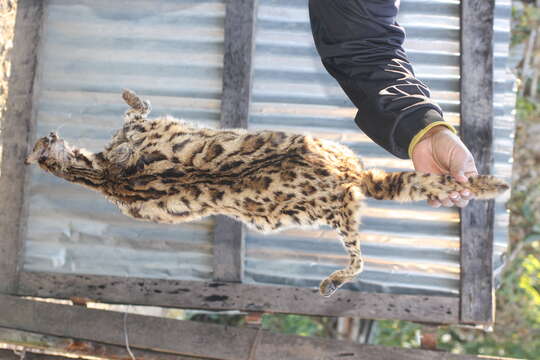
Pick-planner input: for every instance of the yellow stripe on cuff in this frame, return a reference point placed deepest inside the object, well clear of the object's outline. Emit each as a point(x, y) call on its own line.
point(422, 132)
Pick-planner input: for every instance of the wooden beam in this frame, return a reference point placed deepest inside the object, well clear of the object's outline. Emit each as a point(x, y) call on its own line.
point(477, 294)
point(16, 127)
point(11, 355)
point(189, 337)
point(229, 250)
point(245, 297)
point(239, 42)
point(240, 16)
point(35, 342)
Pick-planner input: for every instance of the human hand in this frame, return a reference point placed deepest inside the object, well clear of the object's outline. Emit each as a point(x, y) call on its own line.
point(440, 151)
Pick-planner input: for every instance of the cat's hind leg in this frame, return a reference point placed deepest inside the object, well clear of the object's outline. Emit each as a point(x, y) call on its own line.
point(346, 221)
point(139, 108)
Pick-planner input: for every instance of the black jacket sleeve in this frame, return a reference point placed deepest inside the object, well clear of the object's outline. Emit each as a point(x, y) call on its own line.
point(360, 44)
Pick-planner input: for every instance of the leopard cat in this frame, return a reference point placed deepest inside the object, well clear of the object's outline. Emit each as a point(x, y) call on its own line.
point(167, 171)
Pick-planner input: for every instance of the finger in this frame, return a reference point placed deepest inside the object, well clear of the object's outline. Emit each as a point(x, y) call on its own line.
point(434, 203)
point(460, 177)
point(466, 194)
point(469, 174)
point(446, 202)
point(454, 196)
point(462, 203)
point(457, 200)
point(462, 170)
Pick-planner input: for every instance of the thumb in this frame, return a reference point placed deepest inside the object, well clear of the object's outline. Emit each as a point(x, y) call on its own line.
point(460, 176)
point(463, 170)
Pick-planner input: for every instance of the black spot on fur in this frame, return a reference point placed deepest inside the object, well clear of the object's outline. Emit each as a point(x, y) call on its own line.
point(322, 172)
point(153, 157)
point(172, 172)
point(231, 165)
point(100, 156)
point(138, 127)
point(180, 146)
point(226, 182)
point(139, 142)
point(136, 213)
point(179, 214)
point(149, 145)
point(195, 192)
point(84, 159)
point(266, 182)
point(185, 201)
point(141, 180)
point(215, 151)
point(217, 196)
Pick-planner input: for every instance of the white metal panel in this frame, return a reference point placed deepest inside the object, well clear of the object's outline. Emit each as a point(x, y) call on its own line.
point(168, 51)
point(408, 248)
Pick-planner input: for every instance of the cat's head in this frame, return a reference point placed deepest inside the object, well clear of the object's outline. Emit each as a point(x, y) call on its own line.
point(50, 146)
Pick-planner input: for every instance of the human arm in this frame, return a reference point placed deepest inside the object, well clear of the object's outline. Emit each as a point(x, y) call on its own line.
point(360, 44)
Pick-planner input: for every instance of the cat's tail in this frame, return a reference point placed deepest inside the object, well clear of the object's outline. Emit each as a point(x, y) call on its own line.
point(415, 186)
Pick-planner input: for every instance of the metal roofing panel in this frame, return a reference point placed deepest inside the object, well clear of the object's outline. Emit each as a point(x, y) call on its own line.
point(408, 248)
point(172, 52)
point(168, 51)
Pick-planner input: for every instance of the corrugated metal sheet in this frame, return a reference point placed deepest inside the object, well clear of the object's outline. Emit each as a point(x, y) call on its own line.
point(170, 51)
point(408, 248)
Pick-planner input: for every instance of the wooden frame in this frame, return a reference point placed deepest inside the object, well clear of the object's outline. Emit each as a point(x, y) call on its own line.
point(17, 127)
point(240, 15)
point(200, 340)
point(54, 345)
point(223, 293)
point(477, 294)
point(10, 355)
point(248, 297)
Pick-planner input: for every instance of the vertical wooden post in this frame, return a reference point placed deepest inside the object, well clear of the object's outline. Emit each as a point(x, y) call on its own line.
point(477, 296)
point(16, 127)
point(239, 42)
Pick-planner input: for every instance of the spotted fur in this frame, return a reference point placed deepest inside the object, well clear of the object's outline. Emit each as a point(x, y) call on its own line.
point(167, 171)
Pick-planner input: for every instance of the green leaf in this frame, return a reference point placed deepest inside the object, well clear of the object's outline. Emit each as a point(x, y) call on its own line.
point(529, 239)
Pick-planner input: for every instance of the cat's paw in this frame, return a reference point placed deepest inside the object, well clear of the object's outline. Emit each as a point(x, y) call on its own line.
point(329, 286)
